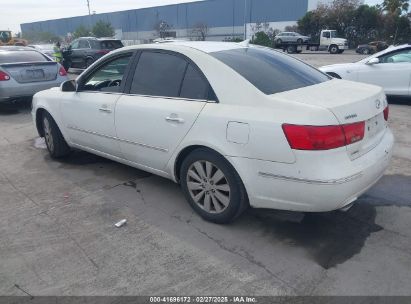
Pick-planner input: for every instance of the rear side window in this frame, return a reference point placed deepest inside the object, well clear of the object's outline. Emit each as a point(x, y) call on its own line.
point(270, 71)
point(111, 44)
point(194, 85)
point(158, 74)
point(21, 56)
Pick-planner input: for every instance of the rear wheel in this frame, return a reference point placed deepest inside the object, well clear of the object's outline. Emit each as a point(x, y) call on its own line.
point(56, 144)
point(291, 49)
point(212, 186)
point(279, 41)
point(89, 62)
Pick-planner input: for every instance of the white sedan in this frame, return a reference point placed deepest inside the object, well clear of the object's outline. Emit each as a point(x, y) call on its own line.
point(235, 125)
point(390, 69)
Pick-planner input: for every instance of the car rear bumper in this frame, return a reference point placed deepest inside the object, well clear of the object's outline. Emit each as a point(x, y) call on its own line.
point(13, 90)
point(334, 182)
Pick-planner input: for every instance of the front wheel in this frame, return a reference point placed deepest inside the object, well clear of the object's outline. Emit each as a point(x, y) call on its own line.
point(212, 186)
point(89, 62)
point(55, 142)
point(334, 49)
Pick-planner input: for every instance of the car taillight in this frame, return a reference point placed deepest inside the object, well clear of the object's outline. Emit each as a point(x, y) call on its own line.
point(354, 132)
point(62, 71)
point(301, 137)
point(4, 76)
point(386, 112)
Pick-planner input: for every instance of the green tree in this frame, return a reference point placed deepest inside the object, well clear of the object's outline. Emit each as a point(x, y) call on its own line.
point(103, 29)
point(261, 38)
point(81, 31)
point(395, 7)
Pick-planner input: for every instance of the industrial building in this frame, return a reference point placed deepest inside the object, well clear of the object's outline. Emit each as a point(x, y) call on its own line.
point(224, 19)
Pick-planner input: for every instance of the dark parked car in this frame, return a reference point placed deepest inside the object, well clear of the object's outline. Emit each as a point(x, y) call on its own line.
point(371, 47)
point(83, 51)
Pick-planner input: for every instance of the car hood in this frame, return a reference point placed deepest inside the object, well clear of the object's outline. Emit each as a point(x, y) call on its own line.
point(339, 40)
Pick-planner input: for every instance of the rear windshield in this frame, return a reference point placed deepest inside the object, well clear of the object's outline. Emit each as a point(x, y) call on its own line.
point(107, 44)
point(21, 56)
point(270, 71)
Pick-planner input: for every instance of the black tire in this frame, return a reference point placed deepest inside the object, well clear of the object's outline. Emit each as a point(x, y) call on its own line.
point(333, 49)
point(279, 41)
point(236, 196)
point(291, 49)
point(56, 144)
point(299, 41)
point(365, 51)
point(89, 62)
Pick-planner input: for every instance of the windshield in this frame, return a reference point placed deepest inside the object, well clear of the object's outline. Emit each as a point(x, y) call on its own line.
point(270, 71)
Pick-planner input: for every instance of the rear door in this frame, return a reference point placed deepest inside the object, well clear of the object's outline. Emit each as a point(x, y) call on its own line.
point(165, 98)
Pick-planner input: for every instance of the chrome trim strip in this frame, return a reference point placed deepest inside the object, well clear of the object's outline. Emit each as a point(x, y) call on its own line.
point(313, 181)
point(118, 139)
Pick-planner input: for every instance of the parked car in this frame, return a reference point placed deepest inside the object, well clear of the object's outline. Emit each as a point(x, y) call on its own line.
point(25, 71)
point(390, 69)
point(235, 125)
point(46, 49)
point(371, 48)
point(84, 51)
point(290, 37)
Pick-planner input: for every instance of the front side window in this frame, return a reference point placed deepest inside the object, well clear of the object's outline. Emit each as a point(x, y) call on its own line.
point(403, 55)
point(109, 77)
point(74, 44)
point(326, 34)
point(270, 71)
point(83, 44)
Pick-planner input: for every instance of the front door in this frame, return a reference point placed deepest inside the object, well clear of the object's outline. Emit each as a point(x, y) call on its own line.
point(393, 73)
point(166, 96)
point(88, 114)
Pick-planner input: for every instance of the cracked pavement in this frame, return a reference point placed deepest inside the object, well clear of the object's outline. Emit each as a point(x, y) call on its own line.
point(58, 236)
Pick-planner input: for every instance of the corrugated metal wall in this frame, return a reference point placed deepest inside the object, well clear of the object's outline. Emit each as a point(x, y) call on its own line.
point(214, 13)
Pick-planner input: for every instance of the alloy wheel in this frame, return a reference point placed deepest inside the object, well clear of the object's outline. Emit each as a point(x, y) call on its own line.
point(208, 186)
point(47, 134)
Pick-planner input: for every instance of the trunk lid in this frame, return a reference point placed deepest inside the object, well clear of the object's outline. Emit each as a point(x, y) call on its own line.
point(350, 102)
point(31, 71)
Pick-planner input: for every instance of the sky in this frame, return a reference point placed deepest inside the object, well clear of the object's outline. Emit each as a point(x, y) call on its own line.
point(15, 12)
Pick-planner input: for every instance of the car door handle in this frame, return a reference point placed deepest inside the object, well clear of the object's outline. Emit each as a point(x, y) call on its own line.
point(175, 119)
point(105, 110)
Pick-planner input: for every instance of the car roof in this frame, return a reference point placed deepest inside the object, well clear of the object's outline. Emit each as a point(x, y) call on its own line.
point(203, 46)
point(98, 39)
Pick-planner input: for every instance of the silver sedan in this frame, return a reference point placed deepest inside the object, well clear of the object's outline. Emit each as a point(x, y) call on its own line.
point(291, 37)
point(25, 71)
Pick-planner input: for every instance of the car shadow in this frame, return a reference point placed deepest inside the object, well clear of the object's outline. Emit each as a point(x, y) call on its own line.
point(15, 107)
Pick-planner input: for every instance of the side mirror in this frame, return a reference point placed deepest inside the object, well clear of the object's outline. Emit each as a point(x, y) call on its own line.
point(68, 86)
point(374, 60)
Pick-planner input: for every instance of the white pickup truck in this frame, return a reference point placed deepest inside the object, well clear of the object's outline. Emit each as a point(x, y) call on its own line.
point(328, 42)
